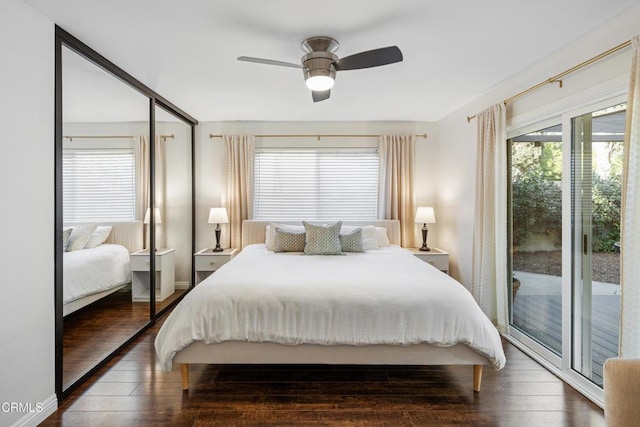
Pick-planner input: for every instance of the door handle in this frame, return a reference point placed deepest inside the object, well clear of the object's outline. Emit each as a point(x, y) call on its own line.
point(584, 244)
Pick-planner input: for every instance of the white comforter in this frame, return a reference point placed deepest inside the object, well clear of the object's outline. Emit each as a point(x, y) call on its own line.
point(384, 296)
point(89, 271)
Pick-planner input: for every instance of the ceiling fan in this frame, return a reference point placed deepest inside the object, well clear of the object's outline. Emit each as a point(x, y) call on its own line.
point(320, 64)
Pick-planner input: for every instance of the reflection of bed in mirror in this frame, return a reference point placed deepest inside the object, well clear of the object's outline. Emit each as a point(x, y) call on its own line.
point(93, 272)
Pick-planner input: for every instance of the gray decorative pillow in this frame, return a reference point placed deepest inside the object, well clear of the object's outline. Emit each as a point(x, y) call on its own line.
point(322, 239)
point(66, 233)
point(289, 241)
point(352, 242)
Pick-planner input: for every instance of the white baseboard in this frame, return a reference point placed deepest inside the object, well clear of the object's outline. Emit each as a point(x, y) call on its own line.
point(32, 419)
point(182, 285)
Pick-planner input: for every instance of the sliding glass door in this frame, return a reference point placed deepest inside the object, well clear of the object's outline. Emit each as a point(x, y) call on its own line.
point(564, 210)
point(536, 213)
point(596, 179)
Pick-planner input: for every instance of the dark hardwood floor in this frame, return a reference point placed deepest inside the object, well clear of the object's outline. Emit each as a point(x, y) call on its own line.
point(132, 391)
point(94, 331)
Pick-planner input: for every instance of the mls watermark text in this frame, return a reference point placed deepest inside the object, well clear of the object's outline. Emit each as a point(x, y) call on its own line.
point(12, 407)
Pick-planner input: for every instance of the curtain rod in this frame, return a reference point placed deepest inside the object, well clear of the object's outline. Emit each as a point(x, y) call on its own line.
point(70, 137)
point(558, 77)
point(423, 135)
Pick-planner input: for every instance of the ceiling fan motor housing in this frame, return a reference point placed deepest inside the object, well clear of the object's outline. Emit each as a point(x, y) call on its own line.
point(319, 64)
point(319, 58)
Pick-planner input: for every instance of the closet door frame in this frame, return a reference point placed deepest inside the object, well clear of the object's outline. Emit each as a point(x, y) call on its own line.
point(63, 38)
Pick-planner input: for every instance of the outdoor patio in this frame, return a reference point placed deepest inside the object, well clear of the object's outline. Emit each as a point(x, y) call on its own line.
point(537, 311)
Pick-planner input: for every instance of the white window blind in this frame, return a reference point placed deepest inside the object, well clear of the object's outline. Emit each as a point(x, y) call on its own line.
point(316, 184)
point(99, 185)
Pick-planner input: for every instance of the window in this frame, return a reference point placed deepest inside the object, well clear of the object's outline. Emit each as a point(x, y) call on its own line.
point(320, 184)
point(99, 185)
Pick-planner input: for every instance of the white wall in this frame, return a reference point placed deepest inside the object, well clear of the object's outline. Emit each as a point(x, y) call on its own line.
point(457, 139)
point(27, 197)
point(178, 195)
point(210, 159)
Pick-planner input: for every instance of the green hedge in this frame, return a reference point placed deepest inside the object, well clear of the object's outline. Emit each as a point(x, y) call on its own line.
point(537, 208)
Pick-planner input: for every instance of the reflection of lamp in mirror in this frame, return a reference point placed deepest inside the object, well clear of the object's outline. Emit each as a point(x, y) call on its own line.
point(218, 216)
point(424, 216)
point(156, 218)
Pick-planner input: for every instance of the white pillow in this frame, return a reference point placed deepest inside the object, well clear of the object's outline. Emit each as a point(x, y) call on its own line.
point(381, 235)
point(369, 238)
point(80, 235)
point(270, 238)
point(99, 236)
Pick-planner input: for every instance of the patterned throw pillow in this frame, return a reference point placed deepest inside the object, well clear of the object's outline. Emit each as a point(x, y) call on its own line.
point(288, 241)
point(322, 239)
point(66, 233)
point(352, 242)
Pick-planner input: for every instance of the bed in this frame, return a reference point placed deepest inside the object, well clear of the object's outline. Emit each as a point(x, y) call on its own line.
point(382, 306)
point(92, 273)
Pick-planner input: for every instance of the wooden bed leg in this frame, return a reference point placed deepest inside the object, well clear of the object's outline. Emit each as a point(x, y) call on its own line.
point(185, 376)
point(477, 377)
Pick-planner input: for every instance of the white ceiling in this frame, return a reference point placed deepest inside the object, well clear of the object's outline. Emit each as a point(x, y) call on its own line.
point(453, 50)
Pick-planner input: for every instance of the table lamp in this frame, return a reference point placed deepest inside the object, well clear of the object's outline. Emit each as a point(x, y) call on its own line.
point(424, 216)
point(218, 216)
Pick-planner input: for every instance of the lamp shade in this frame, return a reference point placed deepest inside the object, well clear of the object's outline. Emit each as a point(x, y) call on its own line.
point(218, 216)
point(156, 216)
point(425, 215)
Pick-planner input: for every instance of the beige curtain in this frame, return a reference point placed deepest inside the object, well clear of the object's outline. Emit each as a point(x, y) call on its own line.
point(238, 199)
point(630, 221)
point(489, 265)
point(143, 188)
point(395, 186)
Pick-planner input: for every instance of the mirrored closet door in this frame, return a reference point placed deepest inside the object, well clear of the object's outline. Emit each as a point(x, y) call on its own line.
point(124, 190)
point(104, 122)
point(174, 206)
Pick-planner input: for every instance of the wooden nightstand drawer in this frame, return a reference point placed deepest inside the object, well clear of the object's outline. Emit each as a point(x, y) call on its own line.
point(208, 261)
point(211, 263)
point(439, 262)
point(436, 257)
point(140, 261)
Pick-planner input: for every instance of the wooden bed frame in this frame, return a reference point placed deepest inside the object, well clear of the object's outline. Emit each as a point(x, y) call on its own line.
point(236, 352)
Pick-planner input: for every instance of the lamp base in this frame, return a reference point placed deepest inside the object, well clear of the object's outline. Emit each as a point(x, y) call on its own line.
point(424, 246)
point(217, 248)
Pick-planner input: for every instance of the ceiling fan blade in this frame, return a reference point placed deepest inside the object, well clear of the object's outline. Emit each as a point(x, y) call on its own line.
point(268, 62)
point(320, 95)
point(370, 58)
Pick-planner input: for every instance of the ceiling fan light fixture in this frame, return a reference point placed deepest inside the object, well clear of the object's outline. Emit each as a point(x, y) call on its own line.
point(319, 64)
point(319, 83)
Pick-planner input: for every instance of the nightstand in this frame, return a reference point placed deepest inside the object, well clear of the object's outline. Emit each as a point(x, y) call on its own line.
point(436, 257)
point(165, 275)
point(208, 261)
